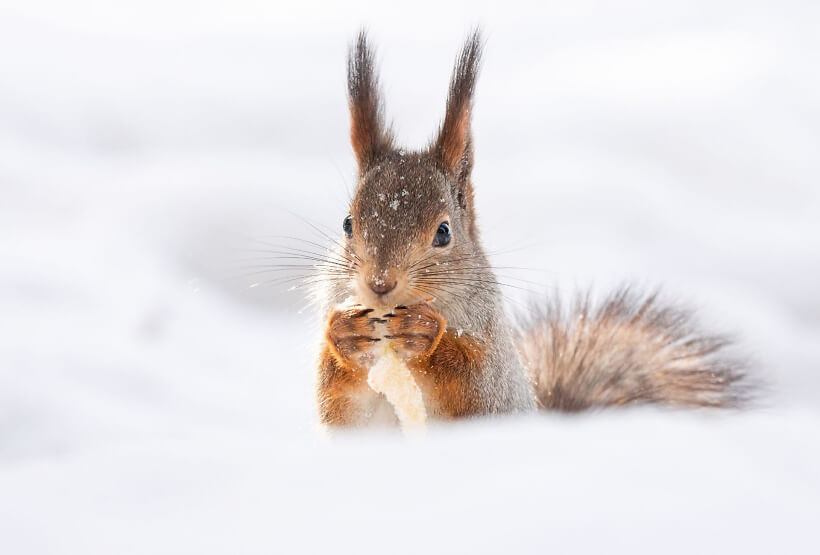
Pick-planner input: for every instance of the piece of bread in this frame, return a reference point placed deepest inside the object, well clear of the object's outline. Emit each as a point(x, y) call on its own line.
point(391, 377)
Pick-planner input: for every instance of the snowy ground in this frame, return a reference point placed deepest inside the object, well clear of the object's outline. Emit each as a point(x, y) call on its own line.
point(150, 402)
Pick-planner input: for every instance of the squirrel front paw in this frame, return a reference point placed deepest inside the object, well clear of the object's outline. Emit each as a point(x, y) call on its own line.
point(351, 332)
point(414, 331)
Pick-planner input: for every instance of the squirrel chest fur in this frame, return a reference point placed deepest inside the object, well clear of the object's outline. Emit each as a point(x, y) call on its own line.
point(412, 262)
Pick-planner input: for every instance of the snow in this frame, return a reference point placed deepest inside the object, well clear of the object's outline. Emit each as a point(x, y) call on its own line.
point(153, 401)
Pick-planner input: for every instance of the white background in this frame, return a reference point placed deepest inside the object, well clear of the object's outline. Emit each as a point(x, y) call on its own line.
point(151, 402)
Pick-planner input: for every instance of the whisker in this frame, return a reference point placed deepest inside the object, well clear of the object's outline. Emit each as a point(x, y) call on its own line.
point(471, 257)
point(479, 271)
point(322, 233)
point(304, 281)
point(464, 273)
point(481, 274)
point(468, 281)
point(436, 292)
point(449, 263)
point(345, 249)
point(467, 301)
point(318, 261)
point(269, 271)
point(325, 253)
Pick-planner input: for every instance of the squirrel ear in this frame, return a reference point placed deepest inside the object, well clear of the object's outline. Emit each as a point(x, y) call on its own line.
point(368, 134)
point(454, 144)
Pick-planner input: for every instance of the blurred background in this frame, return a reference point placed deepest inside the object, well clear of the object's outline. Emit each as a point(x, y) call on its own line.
point(154, 389)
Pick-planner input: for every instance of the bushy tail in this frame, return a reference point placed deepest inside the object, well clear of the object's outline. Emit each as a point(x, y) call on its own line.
point(628, 350)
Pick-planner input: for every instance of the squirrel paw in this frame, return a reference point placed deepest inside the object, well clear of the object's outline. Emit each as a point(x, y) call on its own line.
point(351, 332)
point(414, 331)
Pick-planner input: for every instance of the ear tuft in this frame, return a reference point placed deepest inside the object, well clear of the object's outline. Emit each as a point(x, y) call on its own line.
point(453, 146)
point(368, 134)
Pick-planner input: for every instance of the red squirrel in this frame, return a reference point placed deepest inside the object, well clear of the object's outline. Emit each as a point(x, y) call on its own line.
point(411, 257)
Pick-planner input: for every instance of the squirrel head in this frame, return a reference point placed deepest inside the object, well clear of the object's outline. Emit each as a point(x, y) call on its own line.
point(411, 225)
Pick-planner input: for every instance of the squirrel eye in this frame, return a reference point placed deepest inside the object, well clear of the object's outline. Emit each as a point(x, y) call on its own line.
point(443, 235)
point(347, 225)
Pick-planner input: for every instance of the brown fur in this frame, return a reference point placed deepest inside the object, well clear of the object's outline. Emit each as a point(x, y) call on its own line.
point(338, 386)
point(454, 142)
point(452, 368)
point(628, 350)
point(368, 134)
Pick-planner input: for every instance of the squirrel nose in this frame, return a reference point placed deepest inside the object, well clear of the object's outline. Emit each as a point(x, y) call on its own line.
point(381, 286)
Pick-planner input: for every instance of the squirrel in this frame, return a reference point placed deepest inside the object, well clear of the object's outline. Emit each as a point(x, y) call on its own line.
point(411, 257)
